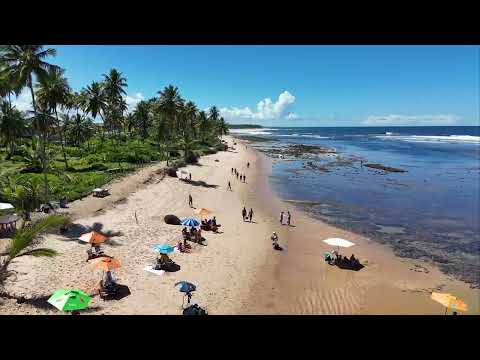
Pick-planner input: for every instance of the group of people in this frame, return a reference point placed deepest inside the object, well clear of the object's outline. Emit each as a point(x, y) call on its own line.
point(192, 235)
point(343, 261)
point(285, 218)
point(210, 224)
point(247, 216)
point(242, 177)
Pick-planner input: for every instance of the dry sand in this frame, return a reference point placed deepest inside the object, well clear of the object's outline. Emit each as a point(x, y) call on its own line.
point(237, 272)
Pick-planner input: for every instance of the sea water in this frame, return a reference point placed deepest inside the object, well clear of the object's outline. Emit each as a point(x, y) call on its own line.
point(430, 211)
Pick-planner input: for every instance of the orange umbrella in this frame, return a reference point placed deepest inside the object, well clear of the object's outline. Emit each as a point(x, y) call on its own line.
point(105, 263)
point(93, 237)
point(202, 211)
point(449, 301)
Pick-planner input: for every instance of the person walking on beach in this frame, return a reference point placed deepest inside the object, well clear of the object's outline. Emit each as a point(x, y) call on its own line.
point(281, 218)
point(250, 215)
point(244, 213)
point(248, 165)
point(237, 175)
point(289, 217)
point(190, 200)
point(229, 186)
point(190, 176)
point(274, 238)
point(232, 170)
point(244, 178)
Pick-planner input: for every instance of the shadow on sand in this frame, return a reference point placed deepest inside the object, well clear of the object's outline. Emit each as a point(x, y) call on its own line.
point(76, 230)
point(199, 183)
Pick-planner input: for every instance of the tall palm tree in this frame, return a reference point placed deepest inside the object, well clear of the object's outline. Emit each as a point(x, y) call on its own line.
point(80, 129)
point(169, 103)
point(21, 63)
point(222, 127)
point(142, 118)
point(54, 91)
point(12, 127)
point(8, 85)
point(96, 102)
point(203, 124)
point(114, 84)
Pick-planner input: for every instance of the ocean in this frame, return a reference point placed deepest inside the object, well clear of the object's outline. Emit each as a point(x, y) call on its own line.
point(431, 210)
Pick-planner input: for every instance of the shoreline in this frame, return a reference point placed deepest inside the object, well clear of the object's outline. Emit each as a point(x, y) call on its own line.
point(237, 272)
point(304, 284)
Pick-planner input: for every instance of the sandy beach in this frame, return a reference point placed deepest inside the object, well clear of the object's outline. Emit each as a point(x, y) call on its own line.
point(238, 272)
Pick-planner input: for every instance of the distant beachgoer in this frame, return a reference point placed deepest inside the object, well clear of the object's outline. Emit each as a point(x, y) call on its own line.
point(248, 165)
point(190, 200)
point(274, 238)
point(237, 175)
point(232, 170)
point(281, 218)
point(190, 176)
point(289, 217)
point(250, 214)
point(244, 178)
point(214, 221)
point(244, 213)
point(229, 186)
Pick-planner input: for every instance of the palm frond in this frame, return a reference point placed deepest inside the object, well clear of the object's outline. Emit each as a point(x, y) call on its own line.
point(40, 252)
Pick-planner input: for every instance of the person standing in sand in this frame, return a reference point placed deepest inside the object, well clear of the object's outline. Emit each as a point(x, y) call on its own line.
point(274, 238)
point(289, 217)
point(281, 218)
point(190, 176)
point(190, 200)
point(248, 165)
point(229, 187)
point(250, 215)
point(244, 213)
point(237, 175)
point(244, 178)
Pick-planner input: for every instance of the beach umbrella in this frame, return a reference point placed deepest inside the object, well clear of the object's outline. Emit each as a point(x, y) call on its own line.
point(6, 206)
point(338, 242)
point(93, 237)
point(69, 300)
point(203, 211)
point(449, 301)
point(105, 263)
point(190, 222)
point(185, 286)
point(163, 249)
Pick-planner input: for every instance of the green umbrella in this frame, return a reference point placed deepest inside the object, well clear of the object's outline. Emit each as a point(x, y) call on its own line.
point(69, 300)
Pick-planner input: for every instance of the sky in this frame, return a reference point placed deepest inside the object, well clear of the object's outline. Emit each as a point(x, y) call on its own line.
point(296, 85)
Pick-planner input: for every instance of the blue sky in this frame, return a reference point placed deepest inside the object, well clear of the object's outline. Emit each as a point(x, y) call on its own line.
point(298, 85)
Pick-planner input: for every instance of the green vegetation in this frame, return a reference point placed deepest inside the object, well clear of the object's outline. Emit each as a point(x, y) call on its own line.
point(72, 142)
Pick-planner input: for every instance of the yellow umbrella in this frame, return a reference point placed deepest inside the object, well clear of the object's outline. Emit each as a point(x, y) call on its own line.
point(202, 211)
point(449, 301)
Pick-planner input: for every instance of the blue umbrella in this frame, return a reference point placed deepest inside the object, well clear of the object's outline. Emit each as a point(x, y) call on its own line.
point(163, 249)
point(190, 222)
point(185, 286)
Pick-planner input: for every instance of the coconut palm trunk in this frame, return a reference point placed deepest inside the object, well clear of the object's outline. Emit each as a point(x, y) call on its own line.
point(62, 141)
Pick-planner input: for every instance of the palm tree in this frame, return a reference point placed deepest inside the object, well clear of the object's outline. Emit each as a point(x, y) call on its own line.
point(21, 63)
point(204, 125)
point(80, 129)
point(169, 103)
point(222, 127)
point(96, 102)
point(12, 127)
point(114, 85)
point(24, 237)
point(52, 92)
point(8, 85)
point(142, 118)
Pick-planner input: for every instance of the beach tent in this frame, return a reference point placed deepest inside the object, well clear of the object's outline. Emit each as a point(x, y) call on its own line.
point(449, 301)
point(338, 242)
point(69, 300)
point(6, 206)
point(93, 237)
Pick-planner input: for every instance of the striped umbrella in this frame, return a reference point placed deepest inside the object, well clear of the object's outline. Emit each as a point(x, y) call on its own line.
point(190, 222)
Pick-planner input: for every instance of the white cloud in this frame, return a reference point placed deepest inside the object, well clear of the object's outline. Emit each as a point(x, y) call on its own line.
point(412, 120)
point(266, 109)
point(132, 101)
point(24, 100)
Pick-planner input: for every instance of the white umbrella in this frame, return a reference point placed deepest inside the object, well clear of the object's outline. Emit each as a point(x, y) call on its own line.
point(339, 242)
point(5, 206)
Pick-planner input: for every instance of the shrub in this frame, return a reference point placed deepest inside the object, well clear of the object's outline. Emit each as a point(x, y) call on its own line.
point(191, 158)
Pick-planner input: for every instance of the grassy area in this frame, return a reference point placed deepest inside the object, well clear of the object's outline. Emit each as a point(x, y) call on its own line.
point(93, 165)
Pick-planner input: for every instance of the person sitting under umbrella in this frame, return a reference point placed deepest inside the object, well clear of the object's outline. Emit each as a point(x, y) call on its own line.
point(109, 280)
point(162, 260)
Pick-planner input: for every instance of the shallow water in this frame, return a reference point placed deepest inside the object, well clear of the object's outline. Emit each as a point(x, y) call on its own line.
point(430, 211)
